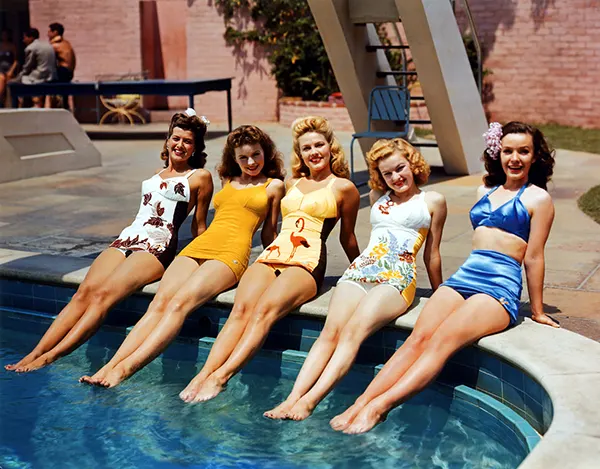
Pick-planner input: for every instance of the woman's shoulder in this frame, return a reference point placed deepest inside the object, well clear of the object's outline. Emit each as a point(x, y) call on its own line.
point(276, 187)
point(434, 199)
point(537, 197)
point(375, 195)
point(345, 186)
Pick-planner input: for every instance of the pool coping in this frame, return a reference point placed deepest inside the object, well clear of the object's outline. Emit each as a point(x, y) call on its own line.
point(566, 364)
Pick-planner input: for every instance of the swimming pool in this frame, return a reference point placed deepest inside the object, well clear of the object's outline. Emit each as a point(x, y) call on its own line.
point(49, 420)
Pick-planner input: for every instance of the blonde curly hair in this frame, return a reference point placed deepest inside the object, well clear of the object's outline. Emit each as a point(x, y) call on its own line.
point(386, 147)
point(303, 125)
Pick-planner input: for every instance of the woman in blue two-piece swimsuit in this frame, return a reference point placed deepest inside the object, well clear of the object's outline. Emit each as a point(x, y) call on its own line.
point(512, 221)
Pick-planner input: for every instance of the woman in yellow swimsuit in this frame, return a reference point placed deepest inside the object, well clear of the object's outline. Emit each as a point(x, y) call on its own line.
point(290, 271)
point(252, 172)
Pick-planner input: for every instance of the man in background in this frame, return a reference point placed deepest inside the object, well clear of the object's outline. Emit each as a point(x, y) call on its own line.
point(65, 55)
point(40, 63)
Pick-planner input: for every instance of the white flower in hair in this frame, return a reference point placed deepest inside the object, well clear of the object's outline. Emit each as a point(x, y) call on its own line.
point(204, 120)
point(190, 112)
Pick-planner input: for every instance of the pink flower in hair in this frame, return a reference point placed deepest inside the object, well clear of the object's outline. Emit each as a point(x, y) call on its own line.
point(493, 137)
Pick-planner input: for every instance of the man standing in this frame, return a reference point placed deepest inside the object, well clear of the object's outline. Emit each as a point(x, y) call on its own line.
point(40, 62)
point(65, 55)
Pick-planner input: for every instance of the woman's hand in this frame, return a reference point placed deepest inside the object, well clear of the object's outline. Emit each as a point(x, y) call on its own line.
point(543, 318)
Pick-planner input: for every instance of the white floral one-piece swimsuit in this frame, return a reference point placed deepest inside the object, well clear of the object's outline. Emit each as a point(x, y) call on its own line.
point(163, 209)
point(399, 230)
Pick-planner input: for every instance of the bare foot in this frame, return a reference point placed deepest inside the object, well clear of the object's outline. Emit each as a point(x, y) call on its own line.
point(211, 388)
point(281, 411)
point(101, 374)
point(86, 379)
point(340, 422)
point(546, 320)
point(368, 418)
point(113, 378)
point(40, 362)
point(26, 360)
point(191, 390)
point(301, 410)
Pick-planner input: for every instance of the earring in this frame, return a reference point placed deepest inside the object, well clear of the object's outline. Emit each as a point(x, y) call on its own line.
point(193, 153)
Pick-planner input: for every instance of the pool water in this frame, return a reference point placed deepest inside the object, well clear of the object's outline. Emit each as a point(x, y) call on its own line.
point(48, 420)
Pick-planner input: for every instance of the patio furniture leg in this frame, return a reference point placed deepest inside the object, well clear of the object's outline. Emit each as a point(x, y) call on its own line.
point(352, 159)
point(191, 101)
point(229, 119)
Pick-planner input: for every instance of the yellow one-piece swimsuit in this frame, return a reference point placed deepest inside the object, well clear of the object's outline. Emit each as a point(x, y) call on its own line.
point(238, 214)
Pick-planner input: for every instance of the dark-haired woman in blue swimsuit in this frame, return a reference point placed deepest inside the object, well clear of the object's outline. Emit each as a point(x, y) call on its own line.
point(511, 222)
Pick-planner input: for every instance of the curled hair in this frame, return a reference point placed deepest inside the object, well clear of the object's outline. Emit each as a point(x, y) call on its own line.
point(382, 149)
point(541, 168)
point(250, 135)
point(198, 129)
point(338, 163)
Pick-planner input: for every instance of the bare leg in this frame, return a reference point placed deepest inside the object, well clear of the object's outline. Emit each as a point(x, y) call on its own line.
point(479, 316)
point(292, 288)
point(382, 305)
point(138, 269)
point(102, 267)
point(343, 303)
point(252, 285)
point(179, 272)
point(210, 279)
point(443, 302)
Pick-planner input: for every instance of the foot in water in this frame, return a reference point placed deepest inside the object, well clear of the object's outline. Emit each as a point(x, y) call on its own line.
point(23, 362)
point(113, 378)
point(340, 422)
point(301, 410)
point(40, 362)
point(98, 376)
point(281, 411)
point(191, 390)
point(366, 420)
point(211, 388)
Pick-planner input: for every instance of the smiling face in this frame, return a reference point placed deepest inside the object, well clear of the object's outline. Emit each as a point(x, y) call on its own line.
point(315, 151)
point(180, 145)
point(396, 172)
point(250, 158)
point(517, 156)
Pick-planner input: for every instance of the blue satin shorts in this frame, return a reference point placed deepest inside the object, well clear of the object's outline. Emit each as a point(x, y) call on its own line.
point(492, 273)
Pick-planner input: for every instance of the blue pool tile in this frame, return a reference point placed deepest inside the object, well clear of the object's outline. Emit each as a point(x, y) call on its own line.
point(294, 356)
point(44, 305)
point(22, 302)
point(43, 291)
point(467, 394)
point(17, 288)
point(467, 356)
point(306, 343)
point(532, 442)
point(6, 300)
point(305, 327)
point(514, 396)
point(547, 411)
point(490, 364)
point(534, 408)
point(64, 294)
point(490, 383)
point(513, 376)
point(533, 389)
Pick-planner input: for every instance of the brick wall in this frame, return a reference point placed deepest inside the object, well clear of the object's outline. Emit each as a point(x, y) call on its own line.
point(544, 54)
point(337, 115)
point(545, 58)
point(105, 34)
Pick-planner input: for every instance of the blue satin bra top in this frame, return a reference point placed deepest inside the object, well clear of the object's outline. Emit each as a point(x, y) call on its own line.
point(511, 216)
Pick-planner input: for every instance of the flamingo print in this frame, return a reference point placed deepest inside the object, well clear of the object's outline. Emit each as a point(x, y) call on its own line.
point(272, 249)
point(298, 241)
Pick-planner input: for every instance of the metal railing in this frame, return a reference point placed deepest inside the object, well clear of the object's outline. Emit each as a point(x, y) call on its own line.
point(476, 42)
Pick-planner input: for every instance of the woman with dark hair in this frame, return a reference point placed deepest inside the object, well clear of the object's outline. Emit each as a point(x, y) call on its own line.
point(512, 221)
point(143, 250)
point(252, 174)
point(291, 269)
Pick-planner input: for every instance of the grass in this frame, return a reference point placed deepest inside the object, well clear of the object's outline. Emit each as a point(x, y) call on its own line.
point(589, 203)
point(559, 136)
point(572, 138)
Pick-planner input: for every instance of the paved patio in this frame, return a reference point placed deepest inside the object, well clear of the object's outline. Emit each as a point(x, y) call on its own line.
point(78, 213)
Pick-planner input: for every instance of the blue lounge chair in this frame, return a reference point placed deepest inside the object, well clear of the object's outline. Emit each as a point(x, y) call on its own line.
point(386, 103)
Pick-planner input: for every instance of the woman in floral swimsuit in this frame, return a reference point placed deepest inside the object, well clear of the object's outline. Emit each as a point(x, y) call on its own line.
point(144, 249)
point(380, 284)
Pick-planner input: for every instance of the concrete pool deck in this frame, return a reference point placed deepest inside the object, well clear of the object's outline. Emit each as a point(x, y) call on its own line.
point(50, 226)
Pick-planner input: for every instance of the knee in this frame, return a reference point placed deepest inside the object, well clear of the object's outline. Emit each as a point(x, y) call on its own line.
point(352, 334)
point(265, 315)
point(100, 295)
point(158, 305)
point(85, 292)
point(239, 313)
point(330, 334)
point(418, 340)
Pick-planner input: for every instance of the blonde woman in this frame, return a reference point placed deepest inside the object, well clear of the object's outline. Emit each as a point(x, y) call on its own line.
point(380, 284)
point(291, 269)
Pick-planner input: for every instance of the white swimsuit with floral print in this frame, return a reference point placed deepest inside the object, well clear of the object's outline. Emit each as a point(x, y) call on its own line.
point(163, 209)
point(399, 230)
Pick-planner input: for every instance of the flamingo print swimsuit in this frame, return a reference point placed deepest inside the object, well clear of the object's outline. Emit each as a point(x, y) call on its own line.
point(163, 209)
point(307, 221)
